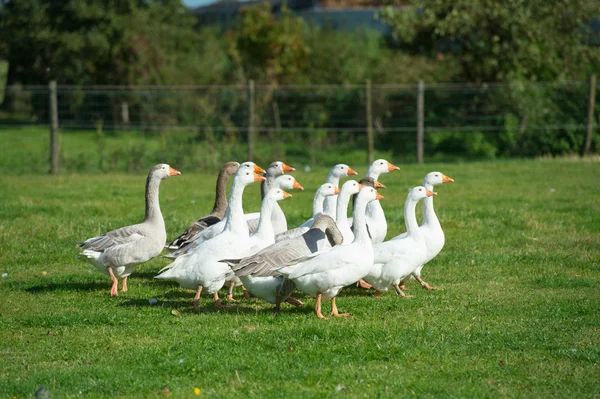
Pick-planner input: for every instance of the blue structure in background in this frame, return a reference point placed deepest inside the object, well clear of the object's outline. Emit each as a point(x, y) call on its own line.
point(224, 13)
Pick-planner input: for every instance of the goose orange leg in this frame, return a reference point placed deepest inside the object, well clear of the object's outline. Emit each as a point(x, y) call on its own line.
point(401, 293)
point(124, 285)
point(197, 297)
point(318, 307)
point(246, 293)
point(334, 310)
point(424, 284)
point(114, 289)
point(230, 292)
point(218, 303)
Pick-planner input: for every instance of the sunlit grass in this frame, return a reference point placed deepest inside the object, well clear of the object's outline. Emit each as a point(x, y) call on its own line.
point(516, 314)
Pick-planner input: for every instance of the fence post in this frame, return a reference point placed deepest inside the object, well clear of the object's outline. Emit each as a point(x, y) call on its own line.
point(53, 128)
point(590, 118)
point(251, 120)
point(420, 120)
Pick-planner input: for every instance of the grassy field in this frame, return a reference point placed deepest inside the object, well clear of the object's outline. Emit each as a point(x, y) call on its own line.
point(516, 314)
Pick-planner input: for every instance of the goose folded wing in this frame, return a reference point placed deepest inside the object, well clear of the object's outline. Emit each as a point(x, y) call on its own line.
point(124, 235)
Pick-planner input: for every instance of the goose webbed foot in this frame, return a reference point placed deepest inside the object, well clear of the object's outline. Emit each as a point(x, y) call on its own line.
point(114, 289)
point(294, 301)
point(424, 284)
point(197, 297)
point(229, 295)
point(334, 310)
point(318, 307)
point(401, 293)
point(218, 303)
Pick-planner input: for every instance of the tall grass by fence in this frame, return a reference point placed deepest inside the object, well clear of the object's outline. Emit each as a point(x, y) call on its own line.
point(413, 122)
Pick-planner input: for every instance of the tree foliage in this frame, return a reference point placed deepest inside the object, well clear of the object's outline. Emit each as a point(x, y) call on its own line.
point(503, 40)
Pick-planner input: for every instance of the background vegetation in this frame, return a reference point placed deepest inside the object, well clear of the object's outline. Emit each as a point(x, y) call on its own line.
point(134, 43)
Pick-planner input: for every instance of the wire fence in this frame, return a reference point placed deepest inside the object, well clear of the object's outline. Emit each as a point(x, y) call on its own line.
point(465, 120)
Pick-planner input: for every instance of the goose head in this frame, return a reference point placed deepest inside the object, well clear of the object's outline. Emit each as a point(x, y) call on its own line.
point(163, 171)
point(436, 178)
point(248, 172)
point(368, 194)
point(371, 182)
point(230, 168)
point(342, 170)
point(420, 192)
point(277, 194)
point(287, 182)
point(380, 167)
point(278, 168)
point(327, 225)
point(351, 187)
point(328, 189)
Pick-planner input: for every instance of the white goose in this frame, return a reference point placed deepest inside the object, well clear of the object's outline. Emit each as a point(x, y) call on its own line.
point(397, 259)
point(256, 271)
point(117, 252)
point(342, 220)
point(214, 216)
point(264, 234)
point(274, 172)
point(375, 216)
point(323, 192)
point(200, 268)
point(324, 275)
point(430, 227)
point(336, 173)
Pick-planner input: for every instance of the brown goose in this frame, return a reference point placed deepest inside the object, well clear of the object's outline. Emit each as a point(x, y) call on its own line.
point(117, 252)
point(215, 215)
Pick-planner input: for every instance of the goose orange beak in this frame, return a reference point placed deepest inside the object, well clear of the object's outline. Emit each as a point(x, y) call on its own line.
point(392, 167)
point(286, 195)
point(351, 171)
point(430, 193)
point(297, 186)
point(258, 177)
point(258, 169)
point(287, 168)
point(336, 191)
point(173, 172)
point(447, 179)
point(379, 196)
point(379, 185)
point(360, 186)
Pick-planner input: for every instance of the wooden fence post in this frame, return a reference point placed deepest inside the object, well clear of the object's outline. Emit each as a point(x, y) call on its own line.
point(53, 128)
point(420, 120)
point(370, 139)
point(251, 120)
point(590, 119)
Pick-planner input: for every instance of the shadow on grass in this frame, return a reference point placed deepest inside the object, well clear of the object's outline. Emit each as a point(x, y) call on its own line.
point(70, 286)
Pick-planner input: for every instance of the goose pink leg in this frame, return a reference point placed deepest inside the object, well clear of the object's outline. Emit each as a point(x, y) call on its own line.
point(114, 289)
point(124, 285)
point(197, 297)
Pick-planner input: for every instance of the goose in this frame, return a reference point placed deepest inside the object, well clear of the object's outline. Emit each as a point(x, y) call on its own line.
point(342, 220)
point(336, 173)
point(117, 252)
point(264, 234)
point(200, 268)
point(256, 272)
point(215, 215)
point(323, 275)
point(274, 171)
point(325, 190)
point(397, 259)
point(375, 216)
point(430, 227)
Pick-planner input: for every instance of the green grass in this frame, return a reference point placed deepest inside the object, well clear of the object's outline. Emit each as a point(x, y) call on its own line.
point(516, 315)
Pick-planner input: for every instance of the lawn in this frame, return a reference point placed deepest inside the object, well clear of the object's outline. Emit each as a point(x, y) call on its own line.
point(516, 314)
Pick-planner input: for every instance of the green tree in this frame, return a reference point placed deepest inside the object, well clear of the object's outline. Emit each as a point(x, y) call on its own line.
point(503, 40)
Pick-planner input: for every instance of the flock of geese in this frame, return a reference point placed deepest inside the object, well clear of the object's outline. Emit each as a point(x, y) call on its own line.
point(329, 251)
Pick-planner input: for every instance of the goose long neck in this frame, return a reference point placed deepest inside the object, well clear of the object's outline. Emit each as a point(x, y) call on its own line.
point(333, 179)
point(410, 217)
point(265, 225)
point(341, 212)
point(429, 216)
point(152, 203)
point(221, 195)
point(266, 185)
point(318, 203)
point(359, 222)
point(235, 210)
point(373, 174)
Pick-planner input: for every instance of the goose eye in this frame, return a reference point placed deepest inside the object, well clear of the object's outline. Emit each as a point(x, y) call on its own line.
point(420, 189)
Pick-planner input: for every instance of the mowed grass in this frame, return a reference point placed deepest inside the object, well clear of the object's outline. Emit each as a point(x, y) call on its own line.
point(516, 314)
